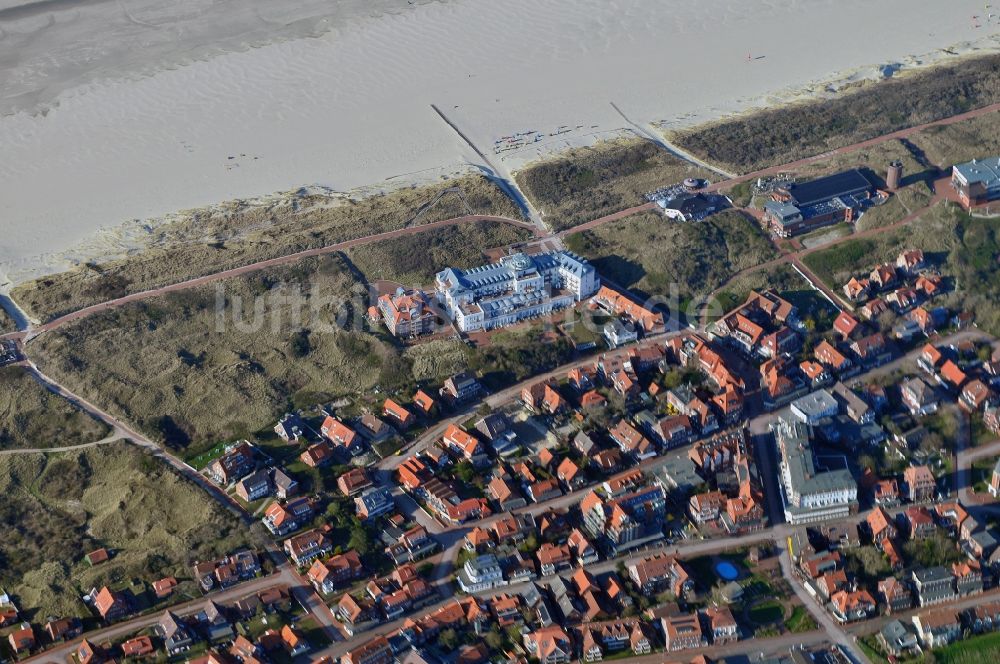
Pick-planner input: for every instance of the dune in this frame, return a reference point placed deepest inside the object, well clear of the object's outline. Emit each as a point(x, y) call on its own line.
point(118, 112)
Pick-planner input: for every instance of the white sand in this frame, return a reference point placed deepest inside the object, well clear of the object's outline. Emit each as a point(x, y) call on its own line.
point(145, 101)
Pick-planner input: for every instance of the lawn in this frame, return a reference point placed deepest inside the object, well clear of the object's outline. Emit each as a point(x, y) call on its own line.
point(33, 417)
point(415, 259)
point(982, 473)
point(200, 242)
point(654, 256)
point(783, 134)
point(586, 183)
point(800, 621)
point(974, 650)
point(60, 506)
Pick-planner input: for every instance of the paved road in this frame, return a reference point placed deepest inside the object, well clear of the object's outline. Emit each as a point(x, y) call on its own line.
point(60, 654)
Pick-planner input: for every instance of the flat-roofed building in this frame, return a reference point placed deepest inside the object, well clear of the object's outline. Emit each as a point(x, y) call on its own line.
point(808, 493)
point(800, 207)
point(977, 181)
point(516, 288)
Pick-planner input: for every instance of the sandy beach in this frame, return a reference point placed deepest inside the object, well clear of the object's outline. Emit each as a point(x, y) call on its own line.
point(118, 111)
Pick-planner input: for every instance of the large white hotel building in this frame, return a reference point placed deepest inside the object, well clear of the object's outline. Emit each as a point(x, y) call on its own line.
point(516, 288)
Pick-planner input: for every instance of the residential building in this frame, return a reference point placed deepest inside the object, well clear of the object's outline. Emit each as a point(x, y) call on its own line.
point(934, 585)
point(808, 493)
point(407, 313)
point(895, 595)
point(111, 604)
point(850, 606)
point(305, 547)
point(177, 636)
point(661, 572)
point(238, 461)
point(516, 288)
point(920, 484)
point(918, 397)
point(375, 651)
point(897, 639)
point(354, 481)
point(620, 305)
point(720, 625)
point(326, 576)
point(461, 388)
point(977, 181)
point(938, 627)
point(683, 632)
point(481, 573)
point(340, 434)
point(373, 503)
point(549, 645)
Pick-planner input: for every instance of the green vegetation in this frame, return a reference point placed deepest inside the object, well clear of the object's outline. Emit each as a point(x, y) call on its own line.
point(963, 248)
point(814, 309)
point(982, 473)
point(191, 377)
point(7, 323)
point(587, 183)
point(415, 259)
point(867, 564)
point(800, 621)
point(931, 551)
point(33, 417)
point(60, 506)
point(962, 141)
point(976, 649)
point(766, 612)
point(514, 355)
point(238, 233)
point(650, 254)
point(780, 135)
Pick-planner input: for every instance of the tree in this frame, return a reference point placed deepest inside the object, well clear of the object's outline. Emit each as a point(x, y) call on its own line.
point(360, 540)
point(448, 639)
point(493, 638)
point(465, 472)
point(673, 379)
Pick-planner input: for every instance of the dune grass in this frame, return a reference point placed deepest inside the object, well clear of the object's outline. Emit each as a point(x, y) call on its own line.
point(203, 242)
point(414, 260)
point(60, 506)
point(780, 135)
point(653, 255)
point(586, 183)
point(191, 377)
point(33, 417)
point(7, 323)
point(963, 141)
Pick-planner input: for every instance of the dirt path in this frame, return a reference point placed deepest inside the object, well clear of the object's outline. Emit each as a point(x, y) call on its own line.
point(260, 265)
point(113, 438)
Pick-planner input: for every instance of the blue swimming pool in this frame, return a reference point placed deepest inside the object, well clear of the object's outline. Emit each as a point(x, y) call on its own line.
point(726, 570)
